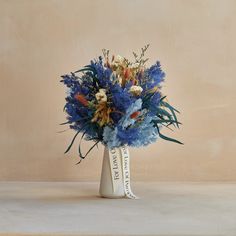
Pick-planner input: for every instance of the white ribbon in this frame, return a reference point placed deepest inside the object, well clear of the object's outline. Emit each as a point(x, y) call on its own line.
point(126, 172)
point(115, 165)
point(120, 169)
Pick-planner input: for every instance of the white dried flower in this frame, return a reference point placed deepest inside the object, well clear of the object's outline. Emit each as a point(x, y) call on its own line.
point(118, 60)
point(101, 95)
point(135, 65)
point(136, 90)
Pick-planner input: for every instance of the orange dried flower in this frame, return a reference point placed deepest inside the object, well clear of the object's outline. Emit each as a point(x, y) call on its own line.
point(126, 73)
point(134, 115)
point(81, 98)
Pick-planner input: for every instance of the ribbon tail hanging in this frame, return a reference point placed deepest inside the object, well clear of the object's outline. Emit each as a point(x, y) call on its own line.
point(126, 172)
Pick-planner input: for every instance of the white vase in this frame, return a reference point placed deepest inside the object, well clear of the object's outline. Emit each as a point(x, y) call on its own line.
point(115, 177)
point(107, 176)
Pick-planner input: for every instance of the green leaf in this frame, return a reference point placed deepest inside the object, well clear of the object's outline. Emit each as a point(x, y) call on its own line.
point(91, 148)
point(86, 68)
point(167, 138)
point(167, 121)
point(83, 157)
point(164, 112)
point(80, 153)
point(162, 98)
point(67, 122)
point(168, 105)
point(69, 147)
point(64, 108)
point(172, 110)
point(91, 72)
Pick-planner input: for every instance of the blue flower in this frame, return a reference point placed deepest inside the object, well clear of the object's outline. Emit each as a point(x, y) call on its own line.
point(147, 133)
point(110, 137)
point(126, 120)
point(153, 77)
point(121, 98)
point(155, 73)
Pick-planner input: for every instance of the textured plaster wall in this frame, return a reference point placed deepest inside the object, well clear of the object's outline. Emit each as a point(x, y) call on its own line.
point(195, 42)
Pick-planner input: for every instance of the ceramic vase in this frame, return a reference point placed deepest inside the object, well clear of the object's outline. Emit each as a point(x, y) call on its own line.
point(107, 182)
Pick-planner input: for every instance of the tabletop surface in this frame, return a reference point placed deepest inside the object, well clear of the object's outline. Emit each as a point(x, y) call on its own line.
point(75, 208)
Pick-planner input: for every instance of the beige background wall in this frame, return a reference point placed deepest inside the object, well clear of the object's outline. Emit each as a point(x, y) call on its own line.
point(41, 40)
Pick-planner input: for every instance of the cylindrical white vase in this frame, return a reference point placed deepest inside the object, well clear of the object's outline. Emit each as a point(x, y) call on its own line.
point(106, 183)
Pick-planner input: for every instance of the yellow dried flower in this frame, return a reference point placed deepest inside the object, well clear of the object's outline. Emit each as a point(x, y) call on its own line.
point(102, 114)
